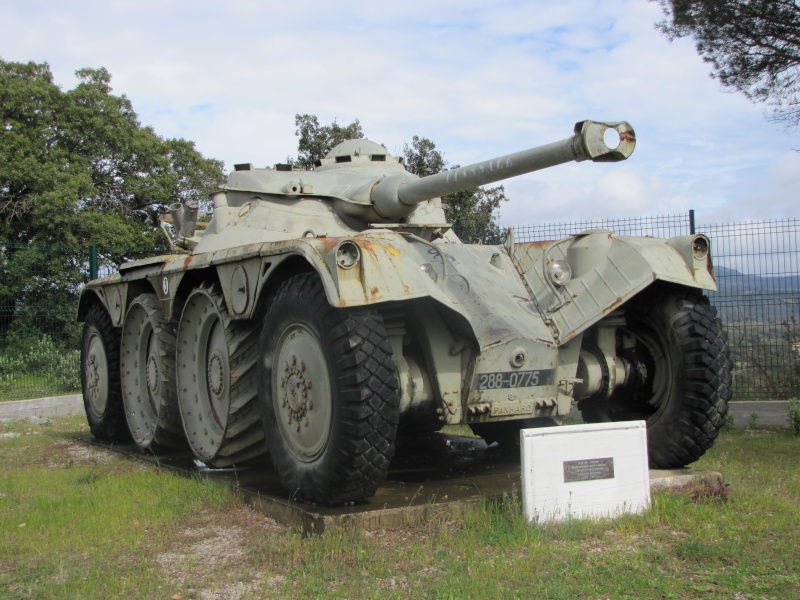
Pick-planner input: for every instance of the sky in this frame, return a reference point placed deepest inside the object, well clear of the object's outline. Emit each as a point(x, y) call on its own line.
point(480, 79)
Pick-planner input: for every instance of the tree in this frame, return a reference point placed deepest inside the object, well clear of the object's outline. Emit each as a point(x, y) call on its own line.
point(316, 140)
point(473, 212)
point(77, 168)
point(422, 158)
point(752, 45)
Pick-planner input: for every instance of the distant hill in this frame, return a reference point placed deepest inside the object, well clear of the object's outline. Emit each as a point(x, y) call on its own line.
point(733, 282)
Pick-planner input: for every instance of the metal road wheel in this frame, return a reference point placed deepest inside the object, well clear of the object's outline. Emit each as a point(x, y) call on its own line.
point(217, 388)
point(675, 344)
point(304, 426)
point(102, 397)
point(147, 360)
point(329, 394)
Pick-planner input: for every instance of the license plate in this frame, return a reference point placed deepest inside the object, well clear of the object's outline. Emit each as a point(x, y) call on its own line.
point(514, 379)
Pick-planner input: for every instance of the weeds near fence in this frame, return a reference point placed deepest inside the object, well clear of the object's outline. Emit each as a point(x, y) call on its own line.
point(794, 415)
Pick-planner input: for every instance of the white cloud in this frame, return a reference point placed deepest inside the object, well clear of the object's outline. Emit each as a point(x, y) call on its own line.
point(479, 79)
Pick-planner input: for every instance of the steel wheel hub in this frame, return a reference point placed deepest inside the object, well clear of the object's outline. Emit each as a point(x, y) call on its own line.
point(295, 389)
point(152, 374)
point(302, 392)
point(216, 366)
point(97, 375)
point(215, 374)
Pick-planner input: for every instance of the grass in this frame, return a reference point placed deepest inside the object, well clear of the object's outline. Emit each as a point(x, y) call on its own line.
point(80, 522)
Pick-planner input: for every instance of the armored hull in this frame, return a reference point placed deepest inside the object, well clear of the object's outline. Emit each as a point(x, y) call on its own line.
point(323, 315)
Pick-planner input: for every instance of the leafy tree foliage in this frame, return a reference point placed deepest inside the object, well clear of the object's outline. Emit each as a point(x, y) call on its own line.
point(473, 212)
point(752, 45)
point(422, 158)
point(77, 168)
point(317, 140)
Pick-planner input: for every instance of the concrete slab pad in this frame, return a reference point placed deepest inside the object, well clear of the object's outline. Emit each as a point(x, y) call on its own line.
point(770, 413)
point(41, 408)
point(433, 475)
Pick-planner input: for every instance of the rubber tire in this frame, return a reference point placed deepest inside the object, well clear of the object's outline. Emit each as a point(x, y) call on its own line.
point(100, 381)
point(359, 417)
point(685, 400)
point(222, 428)
point(148, 380)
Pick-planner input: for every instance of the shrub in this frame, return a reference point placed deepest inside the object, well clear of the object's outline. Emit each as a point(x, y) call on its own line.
point(57, 367)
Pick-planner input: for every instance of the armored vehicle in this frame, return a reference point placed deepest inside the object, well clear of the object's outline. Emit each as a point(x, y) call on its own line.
point(322, 316)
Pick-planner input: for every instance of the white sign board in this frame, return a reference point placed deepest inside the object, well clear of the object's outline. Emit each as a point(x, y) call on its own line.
point(584, 471)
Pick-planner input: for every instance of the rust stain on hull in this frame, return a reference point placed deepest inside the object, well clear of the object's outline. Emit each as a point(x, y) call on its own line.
point(537, 245)
point(328, 244)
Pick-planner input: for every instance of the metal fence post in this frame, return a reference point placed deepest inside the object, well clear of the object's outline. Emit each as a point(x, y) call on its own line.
point(93, 267)
point(691, 221)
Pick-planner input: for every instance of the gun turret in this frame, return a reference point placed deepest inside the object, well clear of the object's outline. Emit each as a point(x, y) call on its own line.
point(359, 185)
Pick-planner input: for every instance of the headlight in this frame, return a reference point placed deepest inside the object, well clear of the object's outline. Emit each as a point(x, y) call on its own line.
point(347, 255)
point(700, 246)
point(428, 269)
point(559, 272)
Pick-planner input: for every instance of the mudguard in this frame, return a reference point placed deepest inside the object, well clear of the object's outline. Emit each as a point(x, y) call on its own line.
point(607, 270)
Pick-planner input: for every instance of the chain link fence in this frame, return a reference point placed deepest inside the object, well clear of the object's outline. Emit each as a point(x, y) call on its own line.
point(759, 291)
point(39, 336)
point(758, 300)
point(663, 226)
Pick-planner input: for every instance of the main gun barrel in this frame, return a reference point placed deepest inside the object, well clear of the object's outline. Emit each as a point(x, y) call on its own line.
point(393, 198)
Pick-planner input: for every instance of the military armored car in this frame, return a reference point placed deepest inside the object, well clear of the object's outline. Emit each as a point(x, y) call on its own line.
point(322, 315)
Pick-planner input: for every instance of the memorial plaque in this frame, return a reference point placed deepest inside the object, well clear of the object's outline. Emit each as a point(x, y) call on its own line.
point(589, 469)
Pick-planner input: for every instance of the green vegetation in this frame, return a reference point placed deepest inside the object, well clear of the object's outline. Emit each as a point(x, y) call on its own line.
point(84, 522)
point(752, 46)
point(38, 367)
point(794, 415)
point(474, 212)
point(76, 168)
